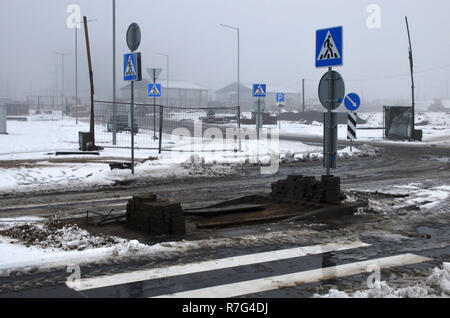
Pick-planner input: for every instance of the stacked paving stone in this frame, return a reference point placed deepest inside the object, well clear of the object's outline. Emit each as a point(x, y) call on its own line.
point(153, 216)
point(300, 188)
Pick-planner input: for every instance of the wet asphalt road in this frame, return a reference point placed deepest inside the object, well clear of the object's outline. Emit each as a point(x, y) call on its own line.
point(389, 235)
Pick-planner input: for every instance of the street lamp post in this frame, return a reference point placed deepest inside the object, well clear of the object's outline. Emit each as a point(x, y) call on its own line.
point(167, 79)
point(62, 81)
point(238, 78)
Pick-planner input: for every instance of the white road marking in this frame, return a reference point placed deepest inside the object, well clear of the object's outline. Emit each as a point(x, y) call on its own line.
point(291, 280)
point(156, 273)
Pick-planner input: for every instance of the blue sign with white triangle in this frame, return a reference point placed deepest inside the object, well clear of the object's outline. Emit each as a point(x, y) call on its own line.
point(329, 47)
point(130, 67)
point(259, 90)
point(154, 90)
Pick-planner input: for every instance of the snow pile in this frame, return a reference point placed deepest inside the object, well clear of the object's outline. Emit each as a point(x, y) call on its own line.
point(196, 165)
point(413, 196)
point(364, 151)
point(129, 248)
point(54, 234)
point(436, 285)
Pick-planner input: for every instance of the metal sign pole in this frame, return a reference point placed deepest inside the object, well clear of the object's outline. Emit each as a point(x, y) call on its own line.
point(114, 74)
point(279, 117)
point(328, 130)
point(132, 127)
point(258, 117)
point(351, 144)
point(154, 107)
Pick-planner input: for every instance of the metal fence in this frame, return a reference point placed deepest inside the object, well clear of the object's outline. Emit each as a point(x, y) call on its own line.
point(66, 104)
point(154, 124)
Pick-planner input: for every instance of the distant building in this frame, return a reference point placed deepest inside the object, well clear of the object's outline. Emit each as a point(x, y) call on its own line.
point(227, 96)
point(181, 93)
point(17, 109)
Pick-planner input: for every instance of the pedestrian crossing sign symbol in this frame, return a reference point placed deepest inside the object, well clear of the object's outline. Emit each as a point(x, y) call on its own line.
point(329, 47)
point(154, 90)
point(259, 90)
point(132, 67)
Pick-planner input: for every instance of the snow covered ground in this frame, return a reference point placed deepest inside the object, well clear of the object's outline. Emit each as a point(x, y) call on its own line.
point(437, 284)
point(412, 196)
point(435, 126)
point(69, 245)
point(37, 140)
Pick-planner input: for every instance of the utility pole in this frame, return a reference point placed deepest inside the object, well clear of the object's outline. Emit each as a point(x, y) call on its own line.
point(238, 65)
point(62, 82)
point(91, 80)
point(411, 64)
point(167, 77)
point(56, 80)
point(76, 68)
point(238, 78)
point(303, 94)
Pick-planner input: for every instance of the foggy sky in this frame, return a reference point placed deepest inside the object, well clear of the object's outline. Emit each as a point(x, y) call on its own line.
point(277, 43)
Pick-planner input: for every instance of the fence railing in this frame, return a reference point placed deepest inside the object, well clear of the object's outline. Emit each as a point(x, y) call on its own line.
point(154, 124)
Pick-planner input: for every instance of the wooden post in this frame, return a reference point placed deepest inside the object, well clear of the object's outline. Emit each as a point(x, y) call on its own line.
point(411, 64)
point(91, 78)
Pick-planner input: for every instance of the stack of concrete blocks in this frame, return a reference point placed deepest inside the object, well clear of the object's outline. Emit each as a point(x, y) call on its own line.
point(300, 188)
point(153, 216)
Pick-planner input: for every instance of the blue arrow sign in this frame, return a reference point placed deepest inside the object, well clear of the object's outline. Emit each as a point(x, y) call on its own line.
point(352, 102)
point(130, 67)
point(280, 97)
point(154, 90)
point(259, 90)
point(329, 47)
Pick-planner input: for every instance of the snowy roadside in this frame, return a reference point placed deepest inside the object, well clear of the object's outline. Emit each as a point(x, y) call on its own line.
point(46, 176)
point(437, 284)
point(28, 244)
point(28, 162)
point(435, 127)
point(413, 196)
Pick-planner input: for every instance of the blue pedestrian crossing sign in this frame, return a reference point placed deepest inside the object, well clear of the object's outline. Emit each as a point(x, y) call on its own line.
point(280, 98)
point(154, 90)
point(259, 90)
point(352, 102)
point(132, 67)
point(329, 47)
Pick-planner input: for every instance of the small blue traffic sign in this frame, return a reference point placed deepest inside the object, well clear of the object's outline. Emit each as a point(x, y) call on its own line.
point(130, 67)
point(259, 90)
point(352, 102)
point(154, 90)
point(280, 97)
point(329, 47)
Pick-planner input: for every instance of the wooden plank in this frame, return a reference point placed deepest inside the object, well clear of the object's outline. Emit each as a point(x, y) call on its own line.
point(225, 210)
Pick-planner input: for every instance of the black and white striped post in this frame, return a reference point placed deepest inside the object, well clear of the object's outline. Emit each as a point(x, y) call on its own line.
point(351, 128)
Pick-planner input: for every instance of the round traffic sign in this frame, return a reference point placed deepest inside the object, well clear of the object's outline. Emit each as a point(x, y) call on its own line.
point(352, 102)
point(338, 88)
point(133, 37)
